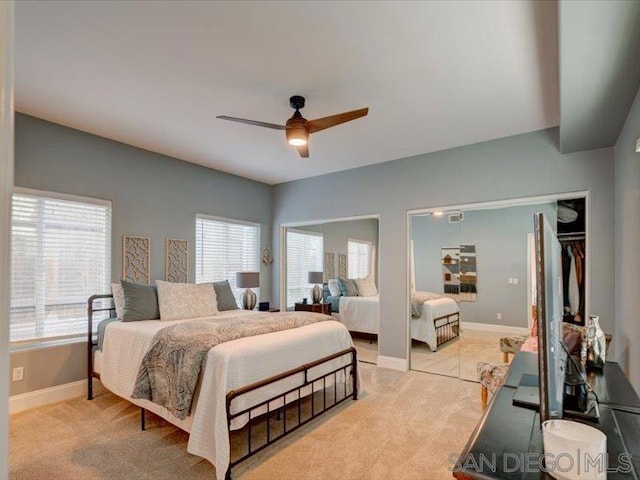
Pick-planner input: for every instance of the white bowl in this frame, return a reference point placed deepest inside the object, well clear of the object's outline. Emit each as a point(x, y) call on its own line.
point(574, 451)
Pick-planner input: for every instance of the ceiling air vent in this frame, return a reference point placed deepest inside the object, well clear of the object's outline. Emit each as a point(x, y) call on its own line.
point(456, 217)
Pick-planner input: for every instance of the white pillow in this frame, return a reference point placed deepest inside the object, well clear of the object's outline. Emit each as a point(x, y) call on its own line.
point(186, 300)
point(118, 298)
point(366, 287)
point(334, 288)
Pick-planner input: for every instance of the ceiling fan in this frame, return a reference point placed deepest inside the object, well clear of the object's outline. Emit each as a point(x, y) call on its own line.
point(297, 129)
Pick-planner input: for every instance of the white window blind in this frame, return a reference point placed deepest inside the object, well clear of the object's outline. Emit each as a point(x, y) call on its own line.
point(225, 247)
point(304, 255)
point(61, 255)
point(359, 258)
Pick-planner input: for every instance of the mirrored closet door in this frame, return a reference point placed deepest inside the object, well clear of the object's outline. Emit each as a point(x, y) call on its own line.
point(331, 267)
point(480, 258)
point(434, 279)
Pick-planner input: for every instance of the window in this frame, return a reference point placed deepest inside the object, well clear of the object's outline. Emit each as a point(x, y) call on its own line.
point(304, 255)
point(61, 255)
point(224, 247)
point(359, 258)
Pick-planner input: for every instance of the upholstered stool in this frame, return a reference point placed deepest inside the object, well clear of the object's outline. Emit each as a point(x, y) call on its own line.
point(512, 345)
point(491, 378)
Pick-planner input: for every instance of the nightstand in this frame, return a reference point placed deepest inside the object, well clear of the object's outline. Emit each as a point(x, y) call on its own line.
point(314, 307)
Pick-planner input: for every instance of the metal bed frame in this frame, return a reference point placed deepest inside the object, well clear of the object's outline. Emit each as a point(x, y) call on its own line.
point(449, 330)
point(91, 343)
point(330, 397)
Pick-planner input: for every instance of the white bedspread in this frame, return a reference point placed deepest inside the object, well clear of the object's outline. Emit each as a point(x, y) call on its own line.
point(228, 366)
point(360, 314)
point(423, 328)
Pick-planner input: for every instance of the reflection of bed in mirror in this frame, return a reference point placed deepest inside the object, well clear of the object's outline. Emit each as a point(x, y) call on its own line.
point(436, 320)
point(358, 314)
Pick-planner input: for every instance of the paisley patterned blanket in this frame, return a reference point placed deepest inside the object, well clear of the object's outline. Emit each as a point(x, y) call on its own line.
point(170, 369)
point(418, 299)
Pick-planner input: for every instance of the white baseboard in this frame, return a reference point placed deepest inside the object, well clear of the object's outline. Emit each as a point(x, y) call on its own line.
point(46, 396)
point(393, 363)
point(489, 327)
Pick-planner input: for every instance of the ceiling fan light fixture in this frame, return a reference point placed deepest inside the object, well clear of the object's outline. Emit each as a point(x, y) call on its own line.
point(297, 134)
point(297, 142)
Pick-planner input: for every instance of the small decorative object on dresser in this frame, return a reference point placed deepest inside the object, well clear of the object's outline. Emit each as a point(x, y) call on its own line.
point(316, 291)
point(248, 280)
point(313, 307)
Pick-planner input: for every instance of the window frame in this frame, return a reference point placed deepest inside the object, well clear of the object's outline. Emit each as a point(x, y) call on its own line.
point(286, 275)
point(215, 218)
point(47, 341)
point(370, 246)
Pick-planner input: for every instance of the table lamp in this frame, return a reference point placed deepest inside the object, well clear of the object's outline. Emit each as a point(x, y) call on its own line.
point(248, 280)
point(316, 291)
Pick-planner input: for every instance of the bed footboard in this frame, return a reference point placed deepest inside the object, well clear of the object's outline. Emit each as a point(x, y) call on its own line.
point(264, 429)
point(448, 330)
point(93, 307)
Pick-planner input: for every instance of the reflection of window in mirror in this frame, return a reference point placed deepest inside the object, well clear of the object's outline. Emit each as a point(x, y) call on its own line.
point(304, 255)
point(360, 258)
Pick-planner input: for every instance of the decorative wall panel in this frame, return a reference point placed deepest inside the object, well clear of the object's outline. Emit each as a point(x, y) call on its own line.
point(459, 272)
point(177, 260)
point(329, 265)
point(136, 259)
point(342, 265)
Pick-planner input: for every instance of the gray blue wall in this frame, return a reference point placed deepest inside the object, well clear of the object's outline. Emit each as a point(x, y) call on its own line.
point(627, 233)
point(519, 166)
point(153, 195)
point(500, 237)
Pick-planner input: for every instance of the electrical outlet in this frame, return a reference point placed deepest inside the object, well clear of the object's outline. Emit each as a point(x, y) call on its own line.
point(515, 281)
point(499, 316)
point(510, 281)
point(18, 374)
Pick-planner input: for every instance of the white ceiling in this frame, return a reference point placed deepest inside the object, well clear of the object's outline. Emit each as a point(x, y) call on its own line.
point(155, 74)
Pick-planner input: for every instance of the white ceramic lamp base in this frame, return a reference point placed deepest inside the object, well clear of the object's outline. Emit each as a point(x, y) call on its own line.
point(316, 294)
point(249, 299)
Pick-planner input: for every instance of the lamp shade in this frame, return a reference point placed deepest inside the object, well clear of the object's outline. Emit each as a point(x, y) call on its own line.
point(316, 277)
point(248, 279)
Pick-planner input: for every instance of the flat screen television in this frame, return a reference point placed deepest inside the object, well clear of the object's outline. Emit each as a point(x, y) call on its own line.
point(552, 356)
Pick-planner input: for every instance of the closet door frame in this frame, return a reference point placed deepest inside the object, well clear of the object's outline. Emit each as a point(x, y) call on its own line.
point(511, 202)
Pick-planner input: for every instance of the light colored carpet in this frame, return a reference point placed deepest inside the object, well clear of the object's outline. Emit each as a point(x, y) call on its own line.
point(367, 350)
point(459, 357)
point(444, 361)
point(478, 346)
point(403, 427)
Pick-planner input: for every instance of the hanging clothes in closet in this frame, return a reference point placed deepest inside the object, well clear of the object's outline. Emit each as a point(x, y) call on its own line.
point(573, 280)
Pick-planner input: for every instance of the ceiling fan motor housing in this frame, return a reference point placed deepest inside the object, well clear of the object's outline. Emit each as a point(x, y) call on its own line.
point(296, 102)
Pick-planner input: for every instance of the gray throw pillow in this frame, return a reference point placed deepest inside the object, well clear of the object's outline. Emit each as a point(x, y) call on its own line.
point(140, 302)
point(348, 287)
point(226, 300)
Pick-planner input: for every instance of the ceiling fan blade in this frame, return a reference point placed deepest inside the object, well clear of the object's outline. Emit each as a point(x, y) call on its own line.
point(333, 120)
point(303, 150)
point(252, 122)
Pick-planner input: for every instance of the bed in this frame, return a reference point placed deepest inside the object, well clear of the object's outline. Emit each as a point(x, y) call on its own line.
point(437, 323)
point(359, 314)
point(243, 381)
